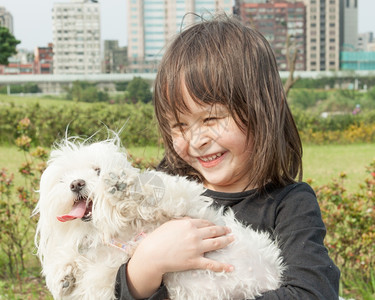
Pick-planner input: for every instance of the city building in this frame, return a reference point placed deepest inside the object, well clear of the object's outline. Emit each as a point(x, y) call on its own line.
point(357, 50)
point(115, 57)
point(151, 24)
point(283, 24)
point(6, 19)
point(349, 25)
point(322, 35)
point(365, 41)
point(76, 37)
point(43, 58)
point(360, 61)
point(21, 63)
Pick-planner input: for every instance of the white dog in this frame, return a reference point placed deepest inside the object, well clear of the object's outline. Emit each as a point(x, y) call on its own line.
point(95, 183)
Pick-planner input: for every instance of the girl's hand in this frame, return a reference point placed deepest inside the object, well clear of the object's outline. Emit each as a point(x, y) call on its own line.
point(177, 245)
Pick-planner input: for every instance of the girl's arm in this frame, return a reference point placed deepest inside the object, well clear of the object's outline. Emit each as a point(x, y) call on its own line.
point(177, 245)
point(300, 232)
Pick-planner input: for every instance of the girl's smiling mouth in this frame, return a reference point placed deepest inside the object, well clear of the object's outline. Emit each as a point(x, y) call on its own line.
point(211, 160)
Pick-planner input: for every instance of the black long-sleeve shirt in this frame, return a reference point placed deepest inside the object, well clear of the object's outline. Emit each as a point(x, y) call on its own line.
point(292, 215)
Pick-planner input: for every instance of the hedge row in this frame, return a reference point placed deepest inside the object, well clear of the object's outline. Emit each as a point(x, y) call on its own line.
point(51, 122)
point(340, 129)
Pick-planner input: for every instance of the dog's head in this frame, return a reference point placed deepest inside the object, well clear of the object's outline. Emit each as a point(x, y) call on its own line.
point(73, 178)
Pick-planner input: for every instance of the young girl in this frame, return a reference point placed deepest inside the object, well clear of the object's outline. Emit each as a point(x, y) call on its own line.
point(225, 122)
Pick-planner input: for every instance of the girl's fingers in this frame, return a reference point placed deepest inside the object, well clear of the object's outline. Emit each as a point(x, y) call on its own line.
point(208, 264)
point(207, 228)
point(199, 223)
point(213, 244)
point(214, 231)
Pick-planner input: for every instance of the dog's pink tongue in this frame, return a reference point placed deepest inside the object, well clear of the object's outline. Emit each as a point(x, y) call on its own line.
point(77, 212)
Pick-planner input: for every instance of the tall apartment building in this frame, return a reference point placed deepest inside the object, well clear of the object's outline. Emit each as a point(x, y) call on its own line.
point(322, 35)
point(151, 24)
point(349, 25)
point(281, 23)
point(76, 37)
point(6, 19)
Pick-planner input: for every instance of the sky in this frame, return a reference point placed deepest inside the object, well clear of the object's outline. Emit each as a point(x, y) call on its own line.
point(32, 20)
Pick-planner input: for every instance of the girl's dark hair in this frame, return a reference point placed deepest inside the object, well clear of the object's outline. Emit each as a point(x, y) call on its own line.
point(223, 61)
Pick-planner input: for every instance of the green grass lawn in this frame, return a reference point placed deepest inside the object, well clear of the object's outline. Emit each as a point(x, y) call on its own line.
point(321, 162)
point(45, 100)
point(324, 162)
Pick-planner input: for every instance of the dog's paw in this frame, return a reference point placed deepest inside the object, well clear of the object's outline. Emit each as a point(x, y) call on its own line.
point(117, 183)
point(67, 283)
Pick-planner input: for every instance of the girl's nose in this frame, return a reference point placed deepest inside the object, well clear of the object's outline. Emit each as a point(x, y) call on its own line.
point(199, 138)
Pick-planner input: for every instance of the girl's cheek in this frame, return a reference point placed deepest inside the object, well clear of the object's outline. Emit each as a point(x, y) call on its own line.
point(180, 145)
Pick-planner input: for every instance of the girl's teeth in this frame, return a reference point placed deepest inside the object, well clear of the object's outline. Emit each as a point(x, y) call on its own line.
point(211, 157)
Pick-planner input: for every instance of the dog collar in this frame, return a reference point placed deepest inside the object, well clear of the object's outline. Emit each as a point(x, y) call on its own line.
point(125, 246)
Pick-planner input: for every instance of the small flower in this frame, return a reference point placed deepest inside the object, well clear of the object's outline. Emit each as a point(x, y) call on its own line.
point(23, 124)
point(40, 152)
point(23, 142)
point(26, 169)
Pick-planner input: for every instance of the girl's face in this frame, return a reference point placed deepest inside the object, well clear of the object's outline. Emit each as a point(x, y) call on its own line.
point(209, 140)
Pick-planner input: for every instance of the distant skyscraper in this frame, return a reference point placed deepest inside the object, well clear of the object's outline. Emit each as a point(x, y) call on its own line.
point(281, 22)
point(151, 23)
point(349, 25)
point(6, 19)
point(76, 37)
point(322, 35)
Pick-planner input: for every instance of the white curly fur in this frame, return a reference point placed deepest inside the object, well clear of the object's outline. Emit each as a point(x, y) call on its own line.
point(78, 262)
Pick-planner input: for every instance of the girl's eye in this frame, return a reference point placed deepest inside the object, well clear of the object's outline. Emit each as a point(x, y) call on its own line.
point(97, 170)
point(179, 127)
point(210, 120)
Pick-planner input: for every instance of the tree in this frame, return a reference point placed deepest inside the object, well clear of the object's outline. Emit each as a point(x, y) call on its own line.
point(8, 45)
point(139, 90)
point(291, 58)
point(84, 91)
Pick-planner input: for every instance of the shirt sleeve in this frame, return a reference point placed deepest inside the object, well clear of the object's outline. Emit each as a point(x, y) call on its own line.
point(300, 231)
point(122, 290)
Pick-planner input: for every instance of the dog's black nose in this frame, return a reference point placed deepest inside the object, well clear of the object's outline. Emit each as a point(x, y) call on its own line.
point(77, 185)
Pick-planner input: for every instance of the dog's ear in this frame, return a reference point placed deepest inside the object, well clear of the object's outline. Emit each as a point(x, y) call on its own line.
point(50, 177)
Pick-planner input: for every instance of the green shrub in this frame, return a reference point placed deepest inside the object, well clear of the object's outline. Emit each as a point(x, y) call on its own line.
point(349, 219)
point(306, 98)
point(49, 123)
point(83, 91)
point(121, 86)
point(16, 206)
point(340, 128)
point(20, 88)
point(139, 90)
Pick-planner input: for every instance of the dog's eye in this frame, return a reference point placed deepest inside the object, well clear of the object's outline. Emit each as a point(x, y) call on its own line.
point(97, 170)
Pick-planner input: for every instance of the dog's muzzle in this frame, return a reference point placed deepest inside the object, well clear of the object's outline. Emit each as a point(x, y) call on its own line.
point(82, 206)
point(77, 185)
